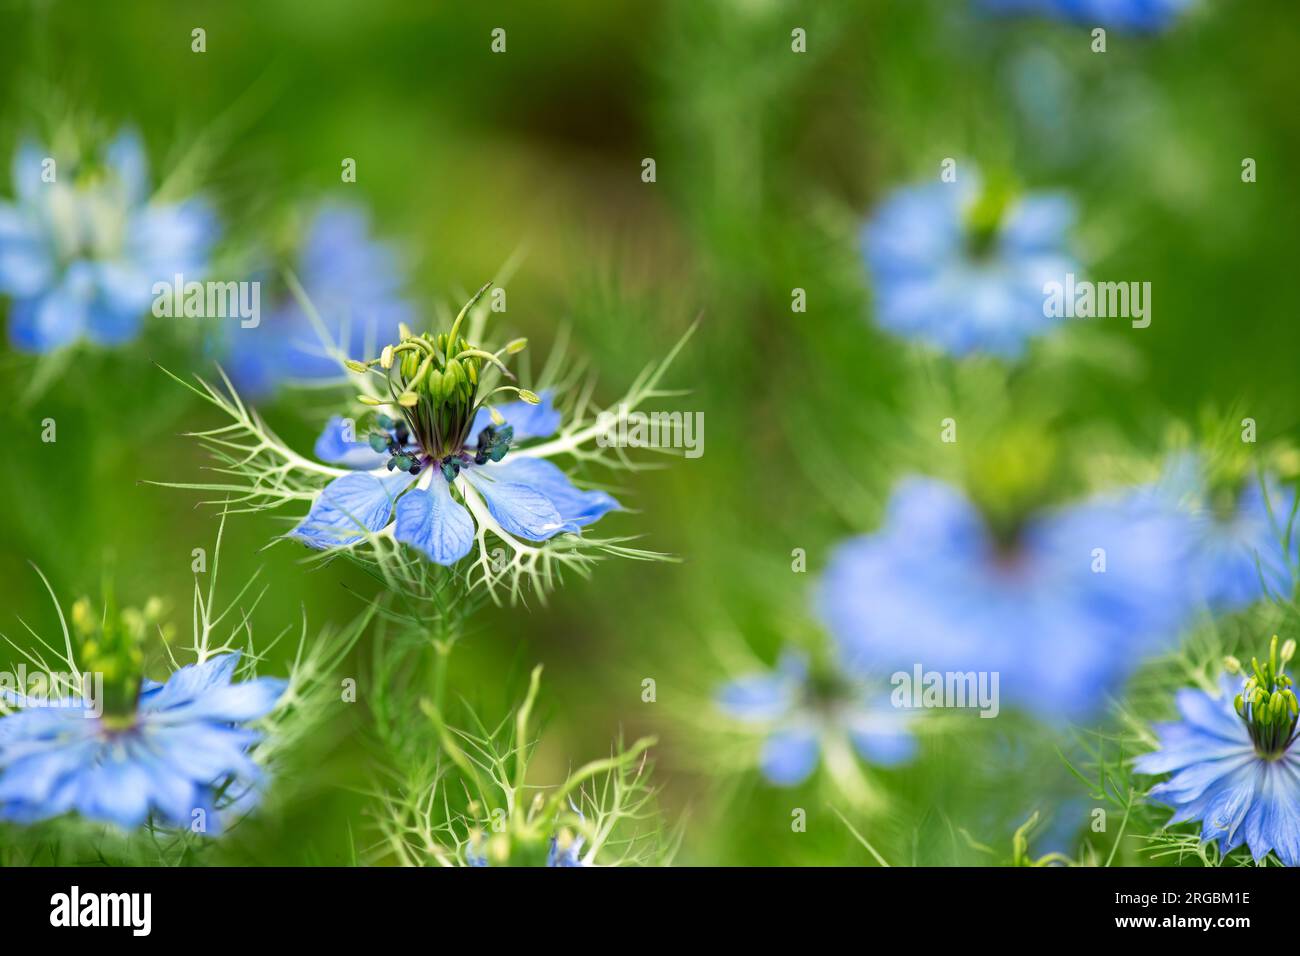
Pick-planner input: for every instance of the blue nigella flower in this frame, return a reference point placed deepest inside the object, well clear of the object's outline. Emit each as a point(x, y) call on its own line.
point(962, 268)
point(407, 488)
point(802, 718)
point(1233, 764)
point(355, 284)
point(80, 255)
point(1241, 534)
point(1136, 15)
point(1060, 608)
point(178, 749)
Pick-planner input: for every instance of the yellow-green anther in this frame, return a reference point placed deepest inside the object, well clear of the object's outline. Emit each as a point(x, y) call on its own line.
point(404, 331)
point(354, 366)
point(408, 399)
point(1232, 665)
point(1288, 650)
point(371, 401)
point(516, 346)
point(530, 397)
point(386, 357)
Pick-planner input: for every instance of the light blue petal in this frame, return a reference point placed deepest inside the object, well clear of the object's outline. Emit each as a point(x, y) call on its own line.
point(189, 682)
point(520, 509)
point(125, 155)
point(575, 506)
point(27, 260)
point(56, 318)
point(435, 523)
point(789, 756)
point(347, 505)
point(883, 739)
point(528, 420)
point(759, 698)
point(333, 447)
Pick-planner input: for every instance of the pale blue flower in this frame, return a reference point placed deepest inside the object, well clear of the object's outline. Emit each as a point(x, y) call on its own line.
point(1062, 612)
point(79, 256)
point(1245, 549)
point(1135, 15)
point(800, 719)
point(1243, 788)
point(183, 749)
point(354, 282)
point(527, 497)
point(962, 275)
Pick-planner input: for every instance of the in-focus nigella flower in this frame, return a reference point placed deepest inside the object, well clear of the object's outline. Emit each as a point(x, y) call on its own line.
point(1233, 762)
point(1060, 604)
point(444, 465)
point(1136, 15)
point(167, 752)
point(82, 245)
point(804, 718)
point(355, 285)
point(1241, 526)
point(961, 266)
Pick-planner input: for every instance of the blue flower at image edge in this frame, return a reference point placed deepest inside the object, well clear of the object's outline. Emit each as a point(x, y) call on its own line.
point(933, 586)
point(1240, 556)
point(355, 285)
point(528, 497)
point(1240, 796)
point(932, 285)
point(183, 741)
point(1135, 15)
point(79, 256)
point(795, 733)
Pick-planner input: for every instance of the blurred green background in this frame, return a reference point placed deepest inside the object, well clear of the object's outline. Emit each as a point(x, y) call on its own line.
point(767, 163)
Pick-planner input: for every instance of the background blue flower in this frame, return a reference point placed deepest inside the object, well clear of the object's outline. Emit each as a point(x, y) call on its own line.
point(80, 255)
point(1245, 548)
point(935, 282)
point(353, 281)
point(933, 587)
point(797, 724)
point(1136, 15)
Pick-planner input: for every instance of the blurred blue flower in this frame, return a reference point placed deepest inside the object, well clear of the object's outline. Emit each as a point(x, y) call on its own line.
point(1061, 613)
point(526, 497)
point(962, 269)
point(1241, 535)
point(180, 747)
point(1135, 15)
point(1230, 772)
point(355, 284)
point(802, 719)
point(80, 255)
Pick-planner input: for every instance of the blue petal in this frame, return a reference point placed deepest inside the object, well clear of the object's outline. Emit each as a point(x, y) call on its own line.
point(188, 682)
point(883, 738)
point(435, 523)
point(27, 260)
point(333, 447)
point(520, 509)
point(57, 317)
point(528, 420)
point(349, 505)
point(789, 756)
point(575, 506)
point(126, 157)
